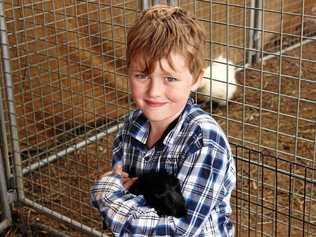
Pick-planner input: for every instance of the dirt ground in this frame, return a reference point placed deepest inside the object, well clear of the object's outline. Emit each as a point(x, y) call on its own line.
point(64, 185)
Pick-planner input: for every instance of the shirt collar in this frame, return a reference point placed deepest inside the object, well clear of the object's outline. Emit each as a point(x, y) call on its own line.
point(172, 135)
point(139, 128)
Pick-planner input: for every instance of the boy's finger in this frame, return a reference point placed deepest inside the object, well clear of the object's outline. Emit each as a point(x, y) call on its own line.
point(129, 182)
point(118, 169)
point(124, 174)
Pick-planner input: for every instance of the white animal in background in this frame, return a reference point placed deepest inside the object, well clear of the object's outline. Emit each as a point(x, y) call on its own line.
point(222, 86)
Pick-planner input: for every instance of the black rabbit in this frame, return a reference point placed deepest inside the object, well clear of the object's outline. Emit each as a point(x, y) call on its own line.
point(162, 192)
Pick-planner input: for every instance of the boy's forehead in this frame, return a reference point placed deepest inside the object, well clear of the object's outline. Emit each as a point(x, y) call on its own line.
point(170, 62)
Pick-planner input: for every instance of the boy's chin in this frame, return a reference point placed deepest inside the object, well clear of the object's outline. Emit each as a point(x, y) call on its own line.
point(160, 117)
point(155, 117)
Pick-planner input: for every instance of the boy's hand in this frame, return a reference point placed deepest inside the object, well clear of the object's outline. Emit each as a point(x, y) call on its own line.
point(126, 180)
point(118, 169)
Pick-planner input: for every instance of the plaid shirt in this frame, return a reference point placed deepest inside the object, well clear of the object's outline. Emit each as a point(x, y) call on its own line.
point(194, 149)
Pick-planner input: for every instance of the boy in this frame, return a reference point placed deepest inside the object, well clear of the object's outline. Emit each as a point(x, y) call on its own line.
point(168, 133)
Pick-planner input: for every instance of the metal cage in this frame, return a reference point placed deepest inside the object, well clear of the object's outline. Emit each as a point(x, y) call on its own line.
point(64, 92)
point(274, 196)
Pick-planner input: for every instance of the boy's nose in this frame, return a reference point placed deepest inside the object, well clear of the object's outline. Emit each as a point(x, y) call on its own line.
point(155, 87)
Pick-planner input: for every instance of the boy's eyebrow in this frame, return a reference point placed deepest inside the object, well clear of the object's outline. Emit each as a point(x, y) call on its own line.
point(171, 72)
point(143, 67)
point(137, 68)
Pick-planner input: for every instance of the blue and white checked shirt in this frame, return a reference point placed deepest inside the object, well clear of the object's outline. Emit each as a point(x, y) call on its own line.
point(196, 150)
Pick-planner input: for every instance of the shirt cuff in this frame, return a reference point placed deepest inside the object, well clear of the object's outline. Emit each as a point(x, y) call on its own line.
point(105, 186)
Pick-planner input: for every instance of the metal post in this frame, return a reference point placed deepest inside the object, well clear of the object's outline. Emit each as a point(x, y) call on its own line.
point(144, 4)
point(250, 52)
point(172, 2)
point(255, 31)
point(3, 139)
point(5, 206)
point(258, 32)
point(11, 106)
point(4, 142)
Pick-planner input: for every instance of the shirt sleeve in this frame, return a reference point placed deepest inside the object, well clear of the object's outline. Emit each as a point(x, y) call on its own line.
point(125, 213)
point(204, 175)
point(209, 178)
point(117, 151)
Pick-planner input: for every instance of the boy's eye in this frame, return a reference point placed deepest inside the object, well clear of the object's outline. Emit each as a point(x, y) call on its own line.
point(140, 76)
point(171, 79)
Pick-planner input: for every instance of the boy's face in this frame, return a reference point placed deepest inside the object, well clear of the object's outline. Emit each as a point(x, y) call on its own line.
point(162, 94)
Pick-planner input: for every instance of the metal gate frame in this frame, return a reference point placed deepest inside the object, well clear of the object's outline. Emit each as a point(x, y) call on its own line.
point(4, 199)
point(7, 193)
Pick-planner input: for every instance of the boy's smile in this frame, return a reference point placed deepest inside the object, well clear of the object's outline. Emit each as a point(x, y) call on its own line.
point(154, 103)
point(163, 93)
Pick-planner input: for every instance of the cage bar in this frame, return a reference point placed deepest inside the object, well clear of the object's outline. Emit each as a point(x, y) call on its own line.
point(11, 105)
point(5, 211)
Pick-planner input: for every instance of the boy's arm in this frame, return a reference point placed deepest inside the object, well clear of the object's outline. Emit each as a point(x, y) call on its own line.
point(122, 212)
point(120, 209)
point(208, 177)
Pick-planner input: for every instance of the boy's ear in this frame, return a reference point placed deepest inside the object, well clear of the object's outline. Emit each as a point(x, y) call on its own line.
point(199, 81)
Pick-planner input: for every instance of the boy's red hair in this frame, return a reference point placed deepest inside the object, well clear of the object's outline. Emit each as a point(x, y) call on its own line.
point(162, 29)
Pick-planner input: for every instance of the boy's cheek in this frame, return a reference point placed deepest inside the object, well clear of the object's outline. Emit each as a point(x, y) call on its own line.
point(136, 92)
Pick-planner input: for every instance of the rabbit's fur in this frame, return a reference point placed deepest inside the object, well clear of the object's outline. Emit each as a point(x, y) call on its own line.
point(162, 192)
point(222, 86)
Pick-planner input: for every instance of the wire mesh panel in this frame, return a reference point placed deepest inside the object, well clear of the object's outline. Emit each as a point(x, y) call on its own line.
point(227, 25)
point(274, 196)
point(289, 21)
point(274, 108)
point(70, 91)
point(67, 65)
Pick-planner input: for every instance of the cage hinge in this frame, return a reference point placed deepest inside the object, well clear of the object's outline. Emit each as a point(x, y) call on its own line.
point(11, 183)
point(12, 197)
point(11, 187)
